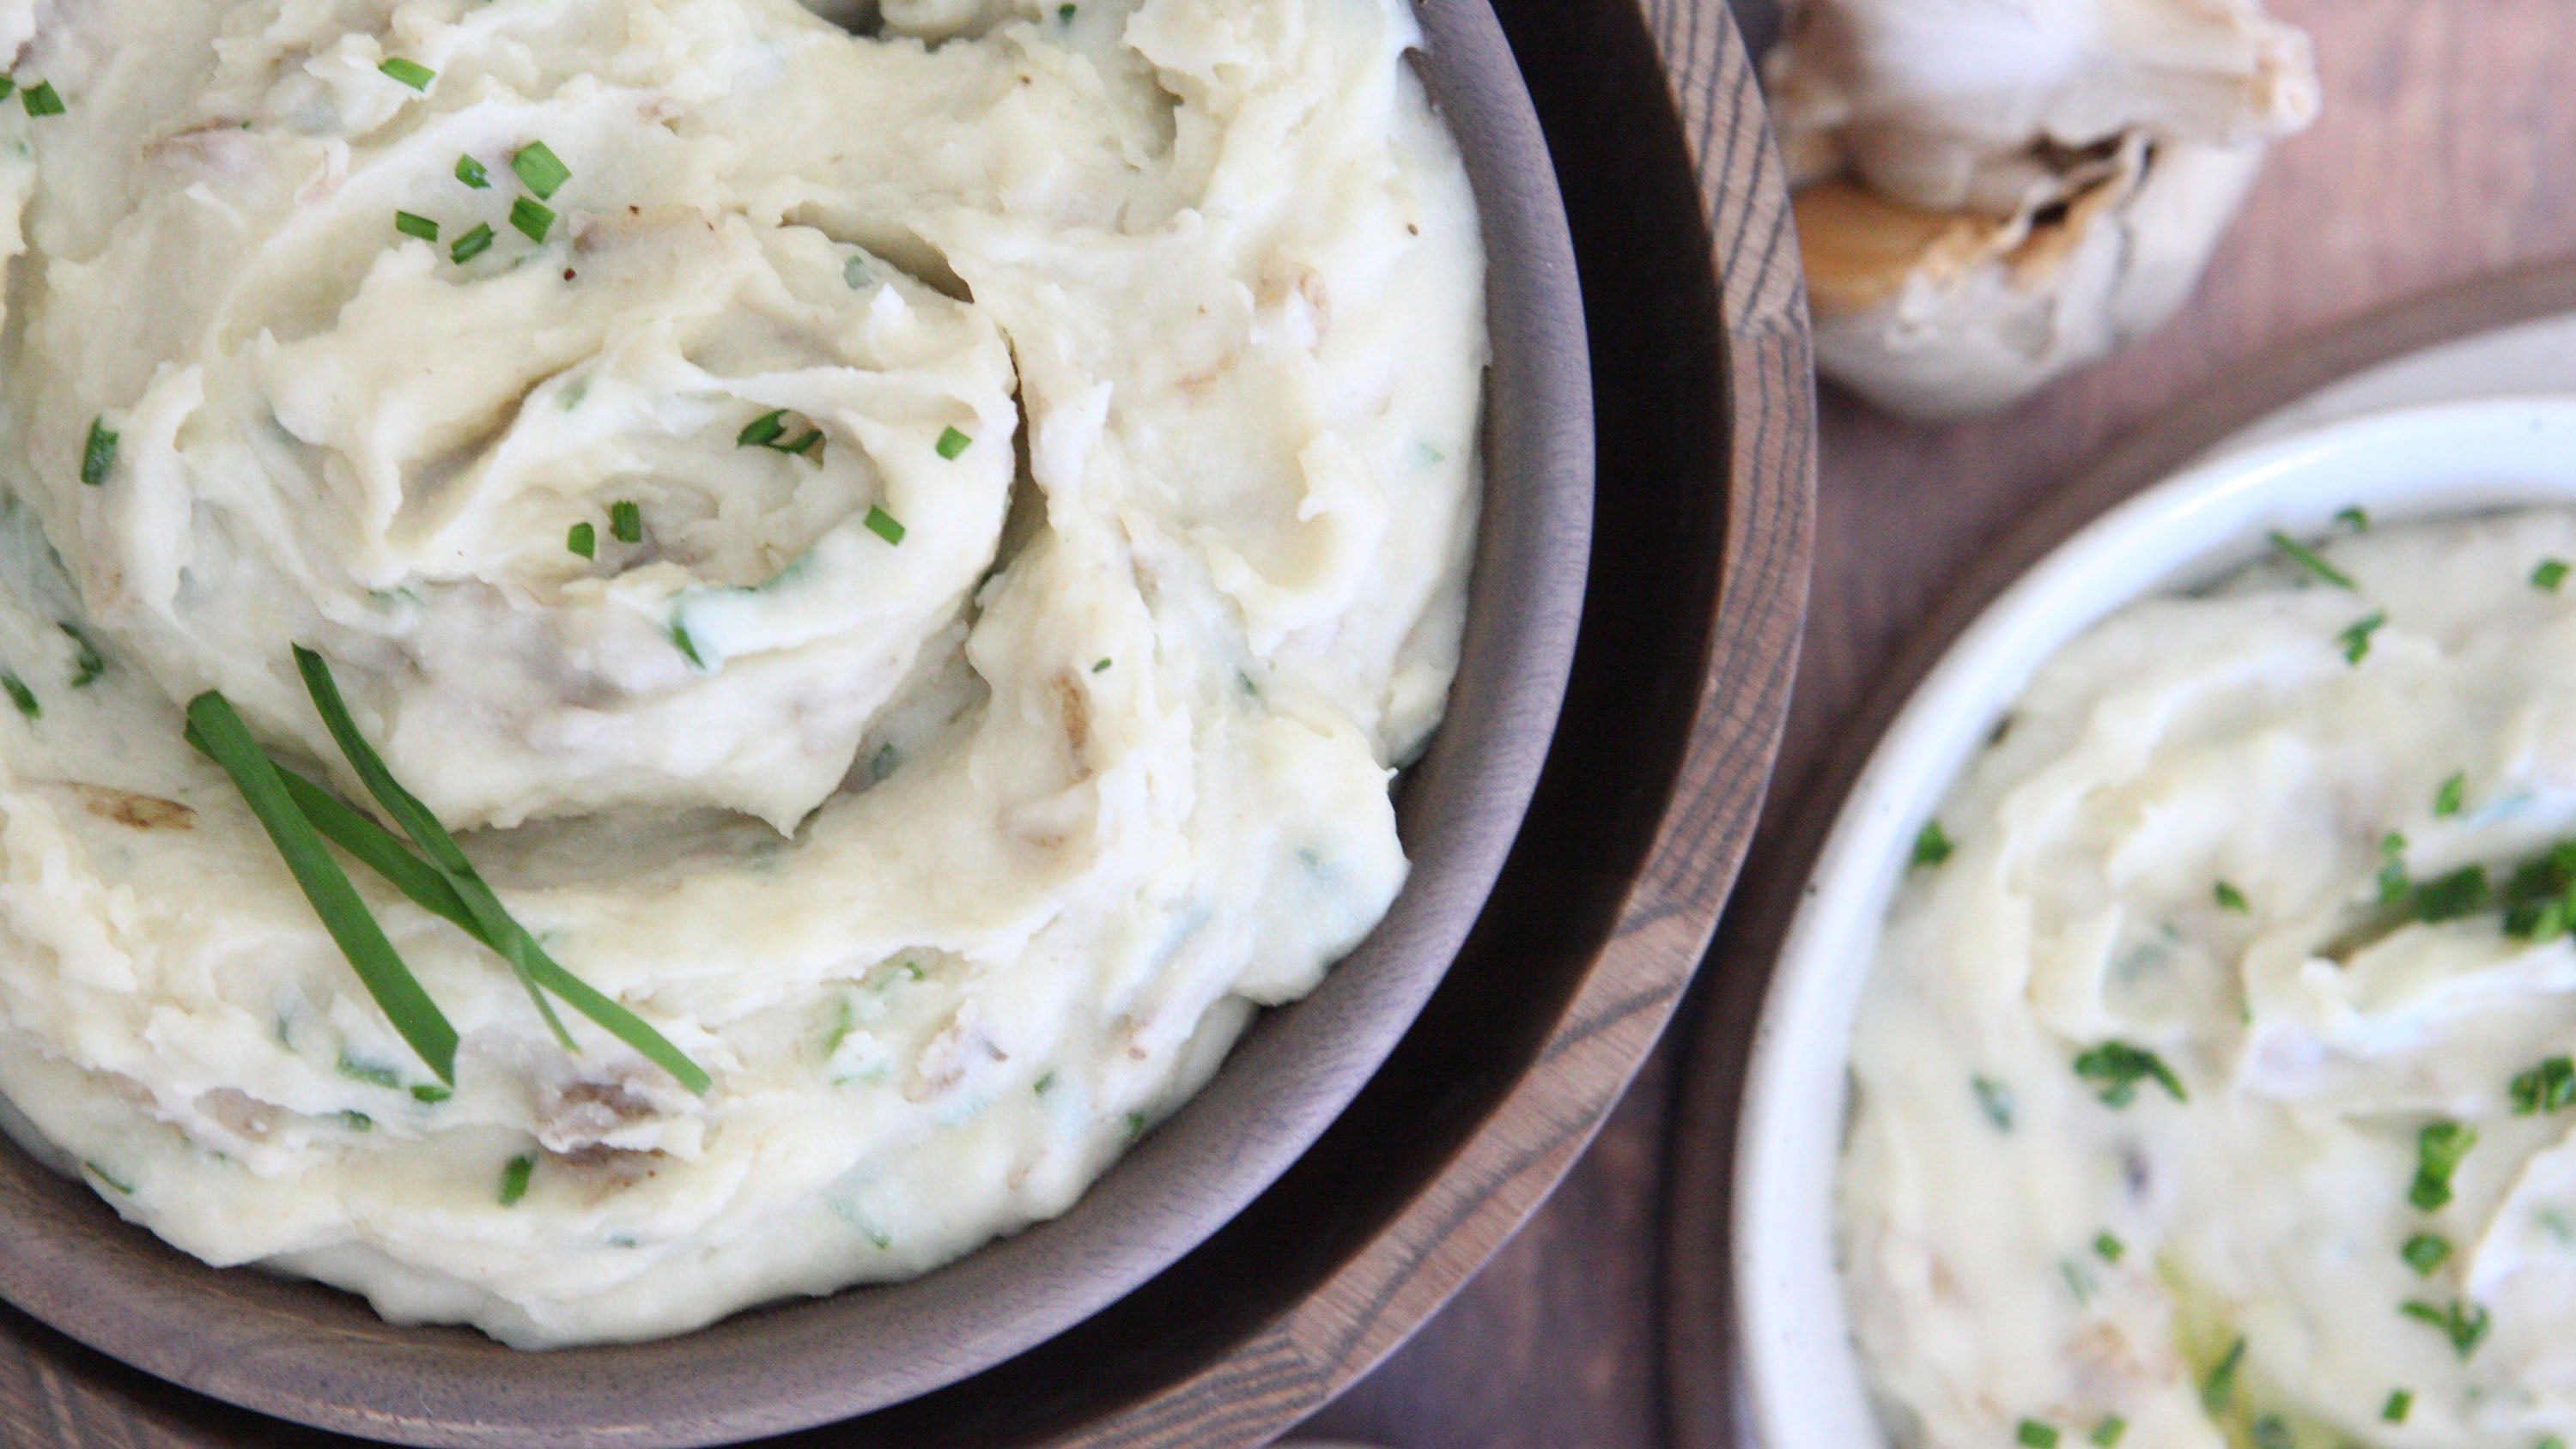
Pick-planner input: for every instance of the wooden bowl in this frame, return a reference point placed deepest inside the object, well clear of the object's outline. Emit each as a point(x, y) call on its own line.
point(306, 1353)
point(1689, 637)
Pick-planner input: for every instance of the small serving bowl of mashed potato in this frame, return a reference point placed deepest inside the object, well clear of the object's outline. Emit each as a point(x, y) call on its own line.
point(2173, 1047)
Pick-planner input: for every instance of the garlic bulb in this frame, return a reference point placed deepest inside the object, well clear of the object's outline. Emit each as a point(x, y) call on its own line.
point(1991, 193)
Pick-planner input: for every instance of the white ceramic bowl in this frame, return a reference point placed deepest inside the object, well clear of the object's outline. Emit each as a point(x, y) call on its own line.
point(1802, 1376)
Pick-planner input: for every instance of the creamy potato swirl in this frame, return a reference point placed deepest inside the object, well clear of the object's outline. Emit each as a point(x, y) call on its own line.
point(911, 564)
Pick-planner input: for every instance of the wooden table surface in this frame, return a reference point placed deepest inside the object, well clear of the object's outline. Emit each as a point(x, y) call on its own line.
point(2446, 152)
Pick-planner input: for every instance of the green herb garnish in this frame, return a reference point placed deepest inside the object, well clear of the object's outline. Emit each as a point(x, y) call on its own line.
point(2108, 1248)
point(533, 218)
point(2311, 560)
point(2426, 1252)
point(582, 539)
point(374, 1074)
point(952, 443)
point(2229, 898)
point(466, 900)
point(626, 521)
point(98, 455)
point(2438, 1150)
point(410, 72)
point(687, 646)
point(1932, 846)
point(806, 446)
point(542, 170)
point(2035, 1435)
point(762, 431)
point(2115, 1068)
point(1135, 1125)
point(220, 732)
point(1100, 668)
point(2399, 1401)
point(2356, 637)
point(883, 525)
point(2464, 1324)
point(2461, 893)
point(2392, 868)
point(2108, 1432)
point(1995, 1100)
point(471, 245)
point(471, 172)
point(2551, 573)
point(2548, 1087)
point(87, 663)
point(20, 695)
point(411, 224)
point(41, 99)
point(103, 1175)
point(2453, 794)
point(2351, 516)
point(2219, 1389)
point(1064, 14)
point(514, 1179)
point(431, 1092)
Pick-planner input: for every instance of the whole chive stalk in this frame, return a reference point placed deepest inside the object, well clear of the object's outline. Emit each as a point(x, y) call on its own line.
point(465, 899)
point(219, 730)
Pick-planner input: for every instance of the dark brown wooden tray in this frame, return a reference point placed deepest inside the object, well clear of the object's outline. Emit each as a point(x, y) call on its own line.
point(1689, 641)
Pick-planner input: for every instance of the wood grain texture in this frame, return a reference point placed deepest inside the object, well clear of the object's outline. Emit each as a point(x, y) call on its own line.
point(2428, 204)
point(1652, 794)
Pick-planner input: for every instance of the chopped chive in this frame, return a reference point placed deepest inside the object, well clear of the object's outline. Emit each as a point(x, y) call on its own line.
point(1135, 1125)
point(2451, 796)
point(1064, 14)
point(432, 1092)
point(762, 431)
point(410, 72)
point(2108, 1432)
point(582, 539)
point(1931, 846)
point(2463, 892)
point(2551, 573)
point(626, 521)
point(2425, 1253)
point(2035, 1435)
point(2464, 1324)
point(103, 1175)
point(688, 647)
point(2310, 560)
point(20, 695)
point(98, 455)
point(1046, 1084)
point(883, 525)
point(2438, 1150)
point(2548, 1087)
point(2115, 1068)
point(87, 663)
point(472, 173)
point(8, 84)
point(357, 1121)
point(2356, 637)
point(374, 1074)
point(2219, 1389)
point(2351, 516)
point(471, 245)
point(41, 99)
point(514, 1179)
point(884, 763)
point(2393, 883)
point(805, 446)
point(952, 443)
point(411, 224)
point(542, 170)
point(491, 923)
point(1995, 1100)
point(2229, 898)
point(1101, 667)
point(2399, 1401)
point(219, 731)
point(2109, 1248)
point(533, 218)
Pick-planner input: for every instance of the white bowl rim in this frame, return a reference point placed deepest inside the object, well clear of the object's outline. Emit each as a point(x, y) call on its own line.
point(1798, 1368)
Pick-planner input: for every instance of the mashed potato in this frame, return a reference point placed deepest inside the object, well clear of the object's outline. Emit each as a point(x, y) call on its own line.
point(910, 556)
point(2213, 1086)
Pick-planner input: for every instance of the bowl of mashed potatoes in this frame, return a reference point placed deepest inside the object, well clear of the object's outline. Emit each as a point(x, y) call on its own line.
point(2174, 1049)
point(854, 599)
